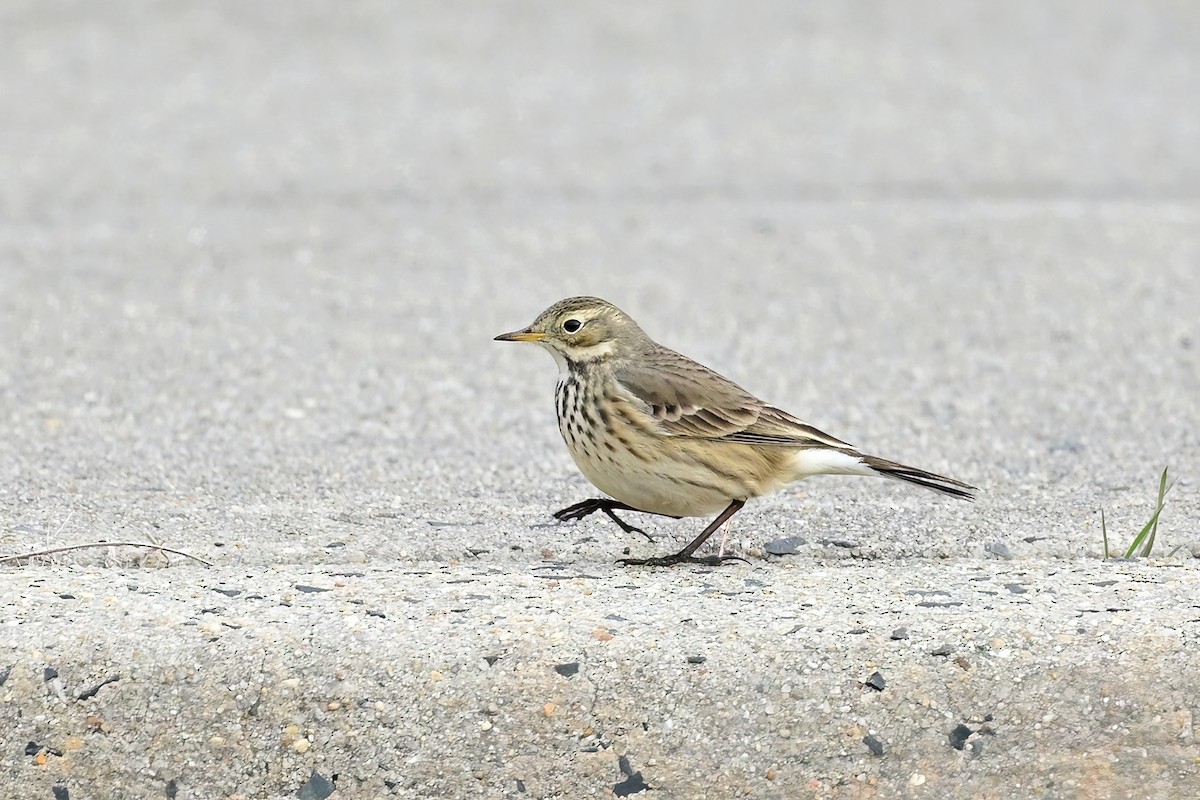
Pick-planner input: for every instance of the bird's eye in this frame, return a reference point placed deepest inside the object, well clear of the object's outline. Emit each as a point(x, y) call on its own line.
point(572, 325)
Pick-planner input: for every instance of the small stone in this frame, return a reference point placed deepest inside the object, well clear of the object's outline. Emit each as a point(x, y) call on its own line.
point(899, 634)
point(846, 544)
point(959, 736)
point(941, 650)
point(999, 549)
point(435, 676)
point(333, 705)
point(41, 751)
point(318, 787)
point(485, 726)
point(696, 659)
point(567, 670)
point(873, 744)
point(549, 709)
point(301, 745)
point(876, 682)
point(633, 782)
point(772, 774)
point(602, 635)
point(789, 545)
point(1015, 588)
point(917, 779)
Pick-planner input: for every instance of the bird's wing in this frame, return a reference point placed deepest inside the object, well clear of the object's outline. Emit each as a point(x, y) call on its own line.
point(689, 400)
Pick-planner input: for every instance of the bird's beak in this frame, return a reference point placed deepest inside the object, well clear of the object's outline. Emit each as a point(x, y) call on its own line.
point(521, 336)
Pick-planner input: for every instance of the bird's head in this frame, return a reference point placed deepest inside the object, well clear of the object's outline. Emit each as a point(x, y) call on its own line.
point(580, 330)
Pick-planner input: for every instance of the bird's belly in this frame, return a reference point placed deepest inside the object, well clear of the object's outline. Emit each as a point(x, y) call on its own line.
point(656, 487)
point(646, 471)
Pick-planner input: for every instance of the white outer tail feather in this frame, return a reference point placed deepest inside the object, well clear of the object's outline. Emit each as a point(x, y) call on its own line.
point(821, 461)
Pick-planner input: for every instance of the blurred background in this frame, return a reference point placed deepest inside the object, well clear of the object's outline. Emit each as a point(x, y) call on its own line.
point(252, 257)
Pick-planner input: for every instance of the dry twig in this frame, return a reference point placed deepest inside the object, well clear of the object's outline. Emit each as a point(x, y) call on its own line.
point(53, 550)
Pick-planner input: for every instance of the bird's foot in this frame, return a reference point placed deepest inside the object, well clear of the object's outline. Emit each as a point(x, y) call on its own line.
point(585, 507)
point(579, 510)
point(679, 558)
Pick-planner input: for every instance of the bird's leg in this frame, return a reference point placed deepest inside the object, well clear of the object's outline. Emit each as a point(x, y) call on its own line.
point(685, 556)
point(585, 507)
point(728, 529)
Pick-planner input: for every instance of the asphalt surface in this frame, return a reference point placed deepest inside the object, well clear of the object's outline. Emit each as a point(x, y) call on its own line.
point(251, 262)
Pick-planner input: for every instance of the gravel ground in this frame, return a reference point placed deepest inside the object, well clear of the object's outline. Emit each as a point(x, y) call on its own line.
point(250, 267)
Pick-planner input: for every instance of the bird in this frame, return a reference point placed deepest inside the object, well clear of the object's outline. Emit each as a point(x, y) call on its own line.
point(662, 434)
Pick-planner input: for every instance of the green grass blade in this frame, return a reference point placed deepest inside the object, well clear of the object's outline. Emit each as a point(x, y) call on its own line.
point(1163, 488)
point(1143, 534)
point(1143, 543)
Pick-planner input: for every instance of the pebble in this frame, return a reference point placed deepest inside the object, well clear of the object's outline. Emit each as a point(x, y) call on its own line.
point(958, 737)
point(786, 546)
point(999, 549)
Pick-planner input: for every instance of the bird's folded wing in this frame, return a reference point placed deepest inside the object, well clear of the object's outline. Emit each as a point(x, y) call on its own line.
point(689, 400)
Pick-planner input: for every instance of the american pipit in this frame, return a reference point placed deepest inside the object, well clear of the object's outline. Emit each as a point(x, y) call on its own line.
point(665, 435)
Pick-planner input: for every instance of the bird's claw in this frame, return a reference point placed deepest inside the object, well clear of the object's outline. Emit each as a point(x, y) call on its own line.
point(585, 507)
point(575, 512)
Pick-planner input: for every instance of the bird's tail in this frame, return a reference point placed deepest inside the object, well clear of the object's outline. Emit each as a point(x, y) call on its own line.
point(930, 480)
